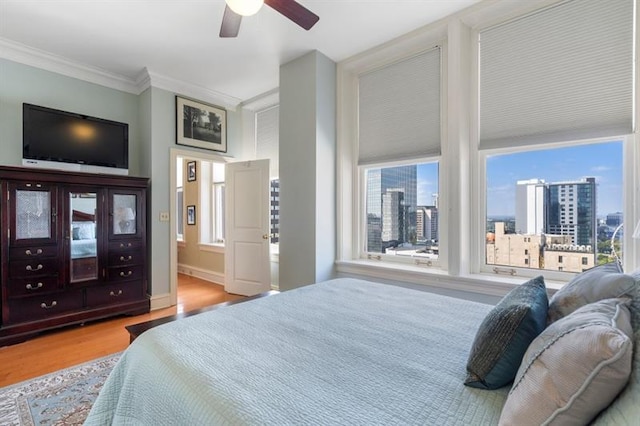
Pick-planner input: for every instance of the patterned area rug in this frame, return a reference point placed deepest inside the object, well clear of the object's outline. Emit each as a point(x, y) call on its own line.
point(61, 398)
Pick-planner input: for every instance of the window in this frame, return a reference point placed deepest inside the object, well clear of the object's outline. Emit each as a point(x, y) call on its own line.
point(217, 201)
point(267, 146)
point(402, 210)
point(399, 120)
point(212, 197)
point(179, 199)
point(525, 197)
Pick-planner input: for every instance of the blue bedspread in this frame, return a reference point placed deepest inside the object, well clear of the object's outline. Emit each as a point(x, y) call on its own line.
point(340, 352)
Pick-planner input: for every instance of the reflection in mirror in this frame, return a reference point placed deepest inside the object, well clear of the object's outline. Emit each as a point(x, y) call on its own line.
point(84, 260)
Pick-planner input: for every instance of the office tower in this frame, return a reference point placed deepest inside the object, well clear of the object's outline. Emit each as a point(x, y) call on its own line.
point(427, 223)
point(530, 206)
point(614, 219)
point(570, 209)
point(378, 182)
point(393, 215)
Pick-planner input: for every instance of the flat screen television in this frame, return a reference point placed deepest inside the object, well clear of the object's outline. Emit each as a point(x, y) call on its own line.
point(71, 141)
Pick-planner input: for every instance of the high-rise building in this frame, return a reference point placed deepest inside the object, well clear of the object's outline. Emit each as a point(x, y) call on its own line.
point(379, 181)
point(427, 223)
point(275, 211)
point(558, 208)
point(530, 206)
point(393, 215)
point(570, 209)
point(614, 219)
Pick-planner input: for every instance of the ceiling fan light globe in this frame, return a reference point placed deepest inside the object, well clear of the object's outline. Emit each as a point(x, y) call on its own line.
point(245, 7)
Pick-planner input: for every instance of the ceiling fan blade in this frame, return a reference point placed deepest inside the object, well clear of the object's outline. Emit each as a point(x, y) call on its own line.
point(295, 11)
point(230, 23)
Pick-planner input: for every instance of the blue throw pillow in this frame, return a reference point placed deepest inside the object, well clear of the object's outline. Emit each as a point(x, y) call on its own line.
point(505, 334)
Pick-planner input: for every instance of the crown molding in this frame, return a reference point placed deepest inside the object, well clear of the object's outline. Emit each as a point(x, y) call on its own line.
point(194, 91)
point(41, 59)
point(37, 58)
point(262, 101)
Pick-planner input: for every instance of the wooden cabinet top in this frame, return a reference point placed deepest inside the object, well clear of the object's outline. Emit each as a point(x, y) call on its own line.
point(59, 176)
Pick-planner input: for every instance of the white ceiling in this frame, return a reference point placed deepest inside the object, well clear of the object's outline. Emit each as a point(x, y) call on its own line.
point(178, 39)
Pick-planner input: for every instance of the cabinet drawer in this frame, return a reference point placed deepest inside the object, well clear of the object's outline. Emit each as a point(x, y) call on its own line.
point(35, 252)
point(35, 308)
point(123, 245)
point(33, 267)
point(125, 258)
point(125, 273)
point(32, 286)
point(114, 293)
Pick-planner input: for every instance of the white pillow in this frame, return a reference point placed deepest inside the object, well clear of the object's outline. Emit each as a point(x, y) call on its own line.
point(601, 282)
point(574, 368)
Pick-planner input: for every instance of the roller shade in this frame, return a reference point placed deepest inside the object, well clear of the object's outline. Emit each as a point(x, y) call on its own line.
point(562, 73)
point(399, 110)
point(267, 137)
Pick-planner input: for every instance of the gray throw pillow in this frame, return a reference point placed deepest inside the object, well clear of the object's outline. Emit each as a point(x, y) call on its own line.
point(574, 369)
point(504, 335)
point(601, 282)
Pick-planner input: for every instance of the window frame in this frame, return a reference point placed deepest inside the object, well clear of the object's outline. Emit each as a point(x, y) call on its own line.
point(461, 169)
point(480, 265)
point(362, 217)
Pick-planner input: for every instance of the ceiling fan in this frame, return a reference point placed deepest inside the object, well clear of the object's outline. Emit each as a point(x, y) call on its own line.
point(236, 9)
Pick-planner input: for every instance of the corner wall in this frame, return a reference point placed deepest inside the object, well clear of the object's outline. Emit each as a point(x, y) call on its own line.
point(307, 170)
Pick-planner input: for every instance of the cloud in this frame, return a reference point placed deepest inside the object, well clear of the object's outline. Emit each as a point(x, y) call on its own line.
point(600, 169)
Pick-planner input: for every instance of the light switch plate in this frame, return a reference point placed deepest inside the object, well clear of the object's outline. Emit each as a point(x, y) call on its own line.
point(164, 216)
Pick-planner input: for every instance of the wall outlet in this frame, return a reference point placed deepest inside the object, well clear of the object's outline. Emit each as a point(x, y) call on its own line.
point(164, 216)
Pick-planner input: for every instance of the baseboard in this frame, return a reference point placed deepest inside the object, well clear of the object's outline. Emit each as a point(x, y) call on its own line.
point(203, 274)
point(160, 301)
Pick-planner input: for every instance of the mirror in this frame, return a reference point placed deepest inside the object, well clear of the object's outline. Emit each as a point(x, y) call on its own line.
point(84, 247)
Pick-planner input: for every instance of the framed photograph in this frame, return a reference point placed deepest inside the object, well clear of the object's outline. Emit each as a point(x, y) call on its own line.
point(191, 171)
point(191, 215)
point(200, 125)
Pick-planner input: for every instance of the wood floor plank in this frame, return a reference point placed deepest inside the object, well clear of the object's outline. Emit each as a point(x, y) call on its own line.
point(73, 345)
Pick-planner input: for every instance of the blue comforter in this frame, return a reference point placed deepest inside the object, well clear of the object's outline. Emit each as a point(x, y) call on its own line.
point(340, 352)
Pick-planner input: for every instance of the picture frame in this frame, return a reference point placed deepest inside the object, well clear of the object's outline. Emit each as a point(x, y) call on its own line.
point(201, 125)
point(191, 215)
point(191, 171)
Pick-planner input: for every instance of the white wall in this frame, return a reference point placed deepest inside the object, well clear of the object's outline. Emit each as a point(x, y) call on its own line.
point(307, 170)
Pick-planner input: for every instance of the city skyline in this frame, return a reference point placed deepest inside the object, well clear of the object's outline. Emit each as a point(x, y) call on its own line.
point(602, 161)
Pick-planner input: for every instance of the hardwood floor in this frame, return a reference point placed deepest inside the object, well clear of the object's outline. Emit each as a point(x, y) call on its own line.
point(73, 345)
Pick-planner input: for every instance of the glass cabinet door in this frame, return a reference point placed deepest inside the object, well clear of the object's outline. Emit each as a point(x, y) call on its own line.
point(124, 210)
point(83, 236)
point(34, 216)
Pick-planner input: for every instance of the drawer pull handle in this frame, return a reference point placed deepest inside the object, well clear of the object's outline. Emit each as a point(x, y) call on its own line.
point(123, 245)
point(44, 305)
point(30, 253)
point(30, 287)
point(29, 268)
point(122, 274)
point(119, 293)
point(125, 259)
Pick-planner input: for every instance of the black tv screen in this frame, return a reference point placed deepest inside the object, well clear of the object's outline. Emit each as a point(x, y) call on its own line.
point(54, 135)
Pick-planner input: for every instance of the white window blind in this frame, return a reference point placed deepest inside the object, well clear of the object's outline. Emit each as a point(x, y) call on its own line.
point(562, 73)
point(399, 110)
point(267, 137)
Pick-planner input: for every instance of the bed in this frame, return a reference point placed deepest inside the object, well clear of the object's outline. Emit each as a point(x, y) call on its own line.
point(344, 351)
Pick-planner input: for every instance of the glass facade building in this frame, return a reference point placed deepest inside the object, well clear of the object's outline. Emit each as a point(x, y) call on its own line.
point(399, 219)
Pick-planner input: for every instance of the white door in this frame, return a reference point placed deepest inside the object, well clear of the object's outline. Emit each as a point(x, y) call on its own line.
point(246, 261)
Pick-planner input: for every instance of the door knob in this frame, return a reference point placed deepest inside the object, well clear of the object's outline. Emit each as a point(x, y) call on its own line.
point(265, 237)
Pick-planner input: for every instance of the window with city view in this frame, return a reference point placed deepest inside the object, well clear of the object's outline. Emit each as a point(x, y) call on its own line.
point(402, 210)
point(555, 209)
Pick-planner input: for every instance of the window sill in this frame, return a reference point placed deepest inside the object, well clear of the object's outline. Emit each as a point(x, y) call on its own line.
point(211, 247)
point(484, 283)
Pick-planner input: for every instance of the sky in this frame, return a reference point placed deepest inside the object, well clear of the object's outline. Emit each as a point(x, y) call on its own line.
point(602, 161)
